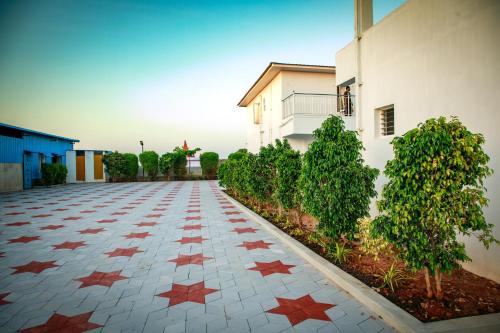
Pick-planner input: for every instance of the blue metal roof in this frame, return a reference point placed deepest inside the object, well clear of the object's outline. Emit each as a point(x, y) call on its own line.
point(28, 131)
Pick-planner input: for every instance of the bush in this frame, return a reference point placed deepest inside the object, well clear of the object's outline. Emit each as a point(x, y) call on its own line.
point(53, 174)
point(229, 173)
point(370, 244)
point(149, 161)
point(288, 166)
point(179, 163)
point(435, 190)
point(335, 185)
point(209, 162)
point(116, 165)
point(166, 163)
point(131, 166)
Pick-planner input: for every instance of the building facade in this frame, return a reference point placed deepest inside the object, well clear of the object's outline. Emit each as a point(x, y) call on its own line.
point(291, 101)
point(85, 166)
point(22, 153)
point(428, 59)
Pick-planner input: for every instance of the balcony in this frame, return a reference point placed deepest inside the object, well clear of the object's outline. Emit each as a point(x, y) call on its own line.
point(303, 113)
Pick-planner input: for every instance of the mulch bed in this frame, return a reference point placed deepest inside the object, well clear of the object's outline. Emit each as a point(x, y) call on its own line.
point(465, 294)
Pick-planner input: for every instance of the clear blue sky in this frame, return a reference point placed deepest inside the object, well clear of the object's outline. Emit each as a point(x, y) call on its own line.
point(111, 73)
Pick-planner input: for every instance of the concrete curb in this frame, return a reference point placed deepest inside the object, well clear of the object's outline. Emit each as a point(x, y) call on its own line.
point(391, 314)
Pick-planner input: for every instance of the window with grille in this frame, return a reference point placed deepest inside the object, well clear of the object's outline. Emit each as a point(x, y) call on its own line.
point(386, 120)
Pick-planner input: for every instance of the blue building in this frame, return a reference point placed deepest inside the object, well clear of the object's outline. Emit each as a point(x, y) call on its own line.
point(22, 152)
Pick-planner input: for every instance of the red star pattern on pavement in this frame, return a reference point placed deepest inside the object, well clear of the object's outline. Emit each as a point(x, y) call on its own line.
point(119, 213)
point(244, 230)
point(159, 209)
point(88, 211)
point(107, 221)
point(187, 293)
point(153, 215)
point(100, 206)
point(237, 220)
point(192, 211)
point(146, 224)
point(193, 206)
point(17, 213)
point(192, 227)
point(124, 252)
point(41, 215)
point(2, 300)
point(34, 208)
point(74, 205)
point(268, 268)
point(52, 227)
point(69, 245)
point(260, 244)
point(101, 279)
point(59, 209)
point(2, 254)
point(34, 267)
point(232, 212)
point(61, 323)
point(194, 259)
point(72, 218)
point(17, 224)
point(24, 239)
point(300, 309)
point(227, 207)
point(91, 231)
point(192, 218)
point(188, 240)
point(138, 235)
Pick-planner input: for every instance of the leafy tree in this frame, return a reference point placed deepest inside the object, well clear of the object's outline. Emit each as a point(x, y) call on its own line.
point(209, 162)
point(230, 173)
point(288, 166)
point(180, 160)
point(335, 185)
point(115, 164)
point(166, 163)
point(132, 166)
point(149, 161)
point(435, 190)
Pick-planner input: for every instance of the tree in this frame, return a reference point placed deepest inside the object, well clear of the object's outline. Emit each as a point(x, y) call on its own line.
point(149, 161)
point(132, 166)
point(180, 160)
point(288, 166)
point(166, 163)
point(335, 185)
point(435, 190)
point(115, 165)
point(209, 162)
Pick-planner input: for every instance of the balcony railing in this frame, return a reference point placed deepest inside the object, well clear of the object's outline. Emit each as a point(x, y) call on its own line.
point(318, 105)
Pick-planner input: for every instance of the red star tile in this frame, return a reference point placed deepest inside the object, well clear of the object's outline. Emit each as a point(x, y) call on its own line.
point(119, 213)
point(11, 206)
point(16, 213)
point(101, 279)
point(237, 220)
point(187, 293)
point(260, 244)
point(189, 240)
point(41, 215)
point(24, 239)
point(194, 259)
point(91, 231)
point(232, 212)
point(193, 206)
point(59, 209)
point(124, 252)
point(74, 205)
point(163, 204)
point(88, 211)
point(61, 323)
point(191, 218)
point(192, 227)
point(138, 235)
point(192, 211)
point(52, 227)
point(159, 209)
point(17, 224)
point(100, 206)
point(2, 254)
point(68, 245)
point(300, 309)
point(2, 296)
point(34, 208)
point(72, 218)
point(34, 267)
point(268, 268)
point(107, 221)
point(128, 207)
point(150, 216)
point(227, 207)
point(244, 230)
point(146, 224)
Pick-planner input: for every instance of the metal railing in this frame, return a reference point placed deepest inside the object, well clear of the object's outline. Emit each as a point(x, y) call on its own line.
point(318, 105)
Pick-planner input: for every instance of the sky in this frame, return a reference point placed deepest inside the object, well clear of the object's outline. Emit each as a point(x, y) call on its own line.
point(112, 73)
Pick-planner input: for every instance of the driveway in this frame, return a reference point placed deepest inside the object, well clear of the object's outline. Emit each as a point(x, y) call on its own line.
point(156, 257)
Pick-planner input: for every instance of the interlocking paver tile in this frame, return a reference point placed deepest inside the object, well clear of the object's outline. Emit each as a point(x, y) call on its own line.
point(156, 257)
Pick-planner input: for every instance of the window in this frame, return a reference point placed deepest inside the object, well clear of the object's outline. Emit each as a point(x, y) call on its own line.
point(257, 113)
point(386, 120)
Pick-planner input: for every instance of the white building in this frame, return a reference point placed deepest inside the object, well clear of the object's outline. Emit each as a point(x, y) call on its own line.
point(85, 166)
point(291, 101)
point(428, 59)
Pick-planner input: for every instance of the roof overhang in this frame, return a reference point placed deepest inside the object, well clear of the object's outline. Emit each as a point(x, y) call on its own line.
point(25, 131)
point(274, 69)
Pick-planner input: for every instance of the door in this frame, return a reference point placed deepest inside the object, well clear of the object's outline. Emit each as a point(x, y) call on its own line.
point(80, 166)
point(98, 168)
point(27, 170)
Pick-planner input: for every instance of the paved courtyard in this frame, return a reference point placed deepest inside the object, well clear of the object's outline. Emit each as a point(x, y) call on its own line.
point(156, 257)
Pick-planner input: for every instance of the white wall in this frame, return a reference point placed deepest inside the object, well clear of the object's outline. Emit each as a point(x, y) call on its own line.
point(435, 58)
point(89, 166)
point(71, 166)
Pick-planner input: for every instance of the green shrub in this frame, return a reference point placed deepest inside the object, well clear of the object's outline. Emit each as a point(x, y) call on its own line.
point(132, 166)
point(149, 161)
point(209, 162)
point(335, 185)
point(180, 163)
point(230, 173)
point(53, 174)
point(116, 165)
point(435, 190)
point(166, 163)
point(288, 166)
point(370, 244)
